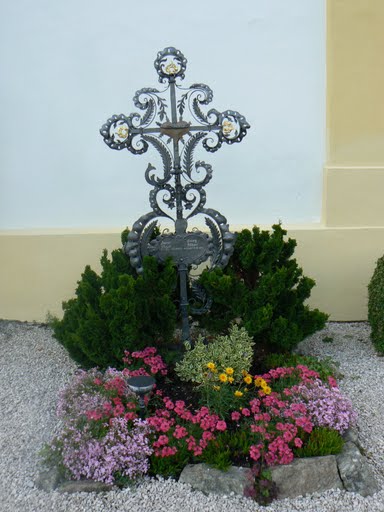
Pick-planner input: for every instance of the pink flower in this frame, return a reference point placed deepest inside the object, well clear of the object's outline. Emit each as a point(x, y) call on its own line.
point(180, 432)
point(246, 412)
point(221, 425)
point(332, 382)
point(208, 436)
point(168, 451)
point(298, 442)
point(254, 452)
point(130, 416)
point(235, 416)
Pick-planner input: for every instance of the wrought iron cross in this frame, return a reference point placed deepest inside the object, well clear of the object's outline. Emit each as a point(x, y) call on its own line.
point(175, 127)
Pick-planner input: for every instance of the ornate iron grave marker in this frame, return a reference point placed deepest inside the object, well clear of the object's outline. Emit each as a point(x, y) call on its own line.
point(175, 127)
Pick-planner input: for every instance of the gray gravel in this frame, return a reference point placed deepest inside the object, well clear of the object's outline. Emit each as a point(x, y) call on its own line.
point(33, 367)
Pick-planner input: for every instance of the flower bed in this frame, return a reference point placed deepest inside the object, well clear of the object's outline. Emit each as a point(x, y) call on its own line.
point(237, 418)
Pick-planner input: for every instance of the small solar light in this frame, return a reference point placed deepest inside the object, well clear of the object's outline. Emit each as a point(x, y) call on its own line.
point(141, 386)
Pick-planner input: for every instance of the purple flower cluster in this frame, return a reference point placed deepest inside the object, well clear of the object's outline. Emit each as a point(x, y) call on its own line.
point(80, 395)
point(326, 406)
point(123, 450)
point(101, 435)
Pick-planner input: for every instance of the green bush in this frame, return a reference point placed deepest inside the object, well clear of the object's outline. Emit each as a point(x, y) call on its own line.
point(376, 306)
point(321, 441)
point(118, 310)
point(234, 351)
point(264, 286)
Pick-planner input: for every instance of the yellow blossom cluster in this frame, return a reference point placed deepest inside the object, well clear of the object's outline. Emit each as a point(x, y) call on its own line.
point(261, 383)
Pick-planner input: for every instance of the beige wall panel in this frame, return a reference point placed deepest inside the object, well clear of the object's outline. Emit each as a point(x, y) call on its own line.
point(38, 272)
point(353, 197)
point(342, 262)
point(355, 82)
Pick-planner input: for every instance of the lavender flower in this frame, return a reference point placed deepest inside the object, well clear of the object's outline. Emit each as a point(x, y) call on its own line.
point(98, 439)
point(327, 407)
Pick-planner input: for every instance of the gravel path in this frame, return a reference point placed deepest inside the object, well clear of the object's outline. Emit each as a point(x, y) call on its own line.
point(33, 367)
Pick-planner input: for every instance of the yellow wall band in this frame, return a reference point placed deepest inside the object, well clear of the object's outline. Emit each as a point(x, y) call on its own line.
point(38, 272)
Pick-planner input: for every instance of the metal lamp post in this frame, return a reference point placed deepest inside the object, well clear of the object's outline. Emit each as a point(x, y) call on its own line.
point(174, 126)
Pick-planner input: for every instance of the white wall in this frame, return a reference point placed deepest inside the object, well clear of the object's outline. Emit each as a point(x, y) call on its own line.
point(66, 66)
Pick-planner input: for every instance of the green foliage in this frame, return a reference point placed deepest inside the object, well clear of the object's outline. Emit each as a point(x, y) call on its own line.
point(376, 306)
point(261, 487)
point(321, 441)
point(118, 310)
point(264, 286)
point(234, 350)
point(324, 367)
point(227, 447)
point(170, 466)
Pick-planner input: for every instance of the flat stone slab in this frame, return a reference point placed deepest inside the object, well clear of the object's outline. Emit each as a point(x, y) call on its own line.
point(84, 486)
point(203, 478)
point(305, 476)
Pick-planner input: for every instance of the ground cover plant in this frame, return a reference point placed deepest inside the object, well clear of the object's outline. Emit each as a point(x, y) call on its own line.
point(232, 417)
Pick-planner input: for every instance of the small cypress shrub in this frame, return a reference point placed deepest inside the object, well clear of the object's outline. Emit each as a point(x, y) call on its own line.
point(376, 305)
point(265, 287)
point(118, 310)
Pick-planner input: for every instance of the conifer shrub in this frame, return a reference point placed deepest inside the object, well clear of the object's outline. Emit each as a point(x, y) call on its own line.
point(264, 287)
point(376, 305)
point(118, 310)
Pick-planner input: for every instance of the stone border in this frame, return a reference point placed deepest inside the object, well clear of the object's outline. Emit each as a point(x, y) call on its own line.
point(349, 471)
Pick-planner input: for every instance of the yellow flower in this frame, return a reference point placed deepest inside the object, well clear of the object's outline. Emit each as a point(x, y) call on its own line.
point(244, 373)
point(216, 388)
point(267, 390)
point(238, 393)
point(248, 379)
point(211, 366)
point(223, 377)
point(229, 371)
point(230, 379)
point(260, 382)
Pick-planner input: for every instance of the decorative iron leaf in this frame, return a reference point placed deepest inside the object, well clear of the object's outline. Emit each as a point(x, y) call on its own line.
point(166, 158)
point(189, 149)
point(216, 241)
point(199, 295)
point(181, 103)
point(148, 116)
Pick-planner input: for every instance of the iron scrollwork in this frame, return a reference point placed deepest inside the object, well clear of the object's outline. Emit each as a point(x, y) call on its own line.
point(174, 123)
